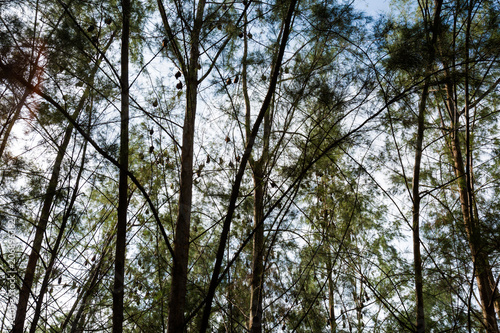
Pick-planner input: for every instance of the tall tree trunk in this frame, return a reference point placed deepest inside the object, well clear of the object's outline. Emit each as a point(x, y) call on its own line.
point(331, 289)
point(255, 322)
point(463, 172)
point(214, 281)
point(479, 256)
point(257, 282)
point(417, 260)
point(46, 208)
point(259, 173)
point(177, 301)
point(55, 248)
point(259, 170)
point(260, 180)
point(37, 243)
point(468, 157)
point(42, 224)
point(121, 232)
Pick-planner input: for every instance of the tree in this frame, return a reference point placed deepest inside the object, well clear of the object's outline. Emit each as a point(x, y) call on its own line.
point(121, 232)
point(289, 149)
point(429, 32)
point(45, 213)
point(463, 169)
point(188, 61)
point(445, 35)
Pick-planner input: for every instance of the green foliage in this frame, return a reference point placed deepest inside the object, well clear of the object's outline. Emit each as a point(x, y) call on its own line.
point(337, 181)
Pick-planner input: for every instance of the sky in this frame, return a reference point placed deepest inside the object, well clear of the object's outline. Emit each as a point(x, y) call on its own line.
point(373, 7)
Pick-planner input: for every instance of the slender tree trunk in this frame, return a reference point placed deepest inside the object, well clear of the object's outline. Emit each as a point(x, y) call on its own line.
point(331, 300)
point(181, 242)
point(463, 172)
point(121, 232)
point(230, 320)
point(214, 281)
point(259, 170)
point(67, 137)
point(177, 301)
point(42, 225)
point(55, 249)
point(255, 322)
point(417, 260)
point(479, 256)
point(37, 243)
point(468, 157)
point(257, 282)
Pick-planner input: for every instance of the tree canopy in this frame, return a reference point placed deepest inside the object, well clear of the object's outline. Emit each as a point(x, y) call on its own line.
point(247, 166)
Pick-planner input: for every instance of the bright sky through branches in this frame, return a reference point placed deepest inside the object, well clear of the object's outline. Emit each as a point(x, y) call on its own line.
point(373, 7)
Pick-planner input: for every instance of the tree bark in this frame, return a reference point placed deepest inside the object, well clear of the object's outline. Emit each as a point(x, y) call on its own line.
point(463, 172)
point(259, 170)
point(479, 256)
point(257, 282)
point(121, 232)
point(417, 260)
point(42, 224)
point(259, 173)
point(55, 249)
point(181, 242)
point(214, 281)
point(177, 301)
point(331, 300)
